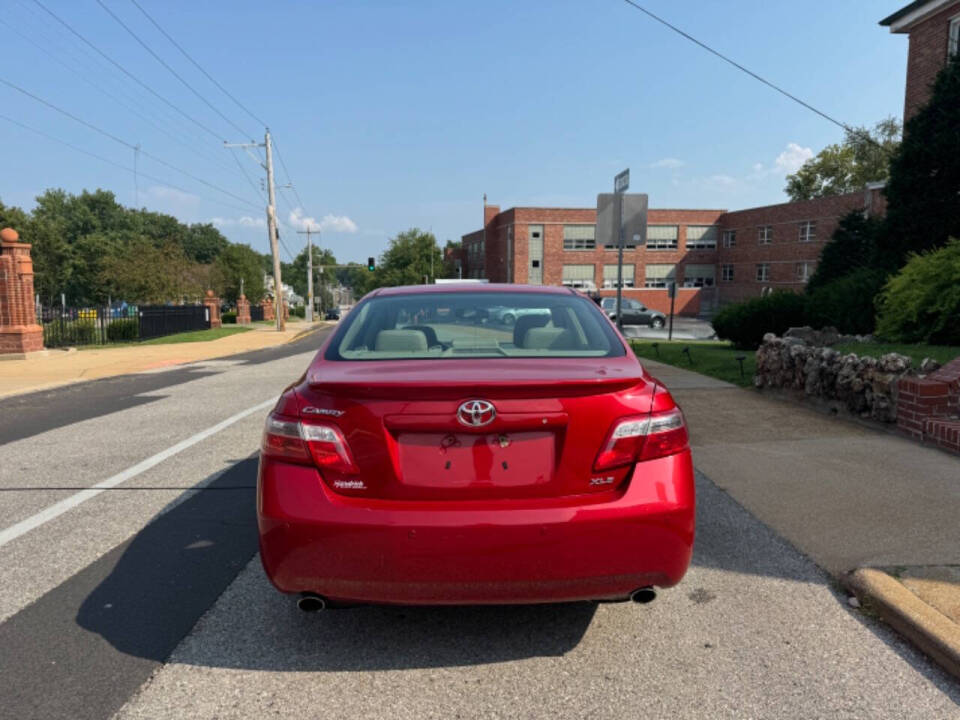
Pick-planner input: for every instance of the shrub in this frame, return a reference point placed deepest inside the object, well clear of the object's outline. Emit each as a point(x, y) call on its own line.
point(299, 311)
point(852, 246)
point(921, 303)
point(846, 303)
point(745, 324)
point(229, 318)
point(123, 330)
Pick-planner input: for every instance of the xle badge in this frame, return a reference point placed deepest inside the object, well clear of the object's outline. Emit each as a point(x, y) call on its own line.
point(602, 480)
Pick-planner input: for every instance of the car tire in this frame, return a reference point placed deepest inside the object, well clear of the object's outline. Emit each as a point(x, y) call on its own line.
point(509, 319)
point(657, 322)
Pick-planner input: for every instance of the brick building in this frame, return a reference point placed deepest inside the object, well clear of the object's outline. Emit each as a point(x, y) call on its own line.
point(933, 27)
point(713, 256)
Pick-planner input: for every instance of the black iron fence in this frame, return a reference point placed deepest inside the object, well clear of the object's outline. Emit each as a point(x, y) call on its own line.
point(256, 312)
point(69, 326)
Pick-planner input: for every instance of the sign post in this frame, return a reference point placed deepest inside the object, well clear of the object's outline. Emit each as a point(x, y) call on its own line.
point(672, 292)
point(621, 183)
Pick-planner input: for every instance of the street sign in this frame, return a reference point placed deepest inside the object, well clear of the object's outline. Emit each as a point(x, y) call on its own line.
point(631, 208)
point(621, 183)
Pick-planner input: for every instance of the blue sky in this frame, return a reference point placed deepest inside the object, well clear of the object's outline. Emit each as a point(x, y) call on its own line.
point(398, 114)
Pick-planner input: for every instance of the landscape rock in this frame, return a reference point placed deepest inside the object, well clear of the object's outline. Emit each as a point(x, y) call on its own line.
point(864, 386)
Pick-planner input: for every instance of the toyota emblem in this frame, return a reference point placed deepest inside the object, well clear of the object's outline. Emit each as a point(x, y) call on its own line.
point(476, 413)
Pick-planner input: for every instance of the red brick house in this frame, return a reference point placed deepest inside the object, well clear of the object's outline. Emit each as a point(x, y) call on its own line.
point(933, 27)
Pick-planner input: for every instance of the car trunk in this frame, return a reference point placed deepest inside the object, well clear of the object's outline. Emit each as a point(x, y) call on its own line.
point(400, 420)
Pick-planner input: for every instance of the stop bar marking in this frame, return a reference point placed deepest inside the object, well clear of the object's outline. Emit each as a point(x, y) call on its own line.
point(59, 508)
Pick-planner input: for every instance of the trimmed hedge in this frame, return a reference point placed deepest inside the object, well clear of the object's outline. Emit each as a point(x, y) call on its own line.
point(123, 330)
point(745, 324)
point(846, 303)
point(229, 318)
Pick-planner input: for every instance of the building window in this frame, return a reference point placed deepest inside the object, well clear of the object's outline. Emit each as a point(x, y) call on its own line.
point(763, 272)
point(729, 238)
point(701, 237)
point(765, 234)
point(657, 276)
point(699, 275)
point(726, 273)
point(953, 45)
point(610, 276)
point(579, 237)
point(808, 231)
point(578, 276)
point(804, 271)
point(662, 237)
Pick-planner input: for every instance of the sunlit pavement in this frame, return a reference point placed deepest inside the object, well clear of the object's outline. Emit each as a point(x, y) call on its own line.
point(114, 608)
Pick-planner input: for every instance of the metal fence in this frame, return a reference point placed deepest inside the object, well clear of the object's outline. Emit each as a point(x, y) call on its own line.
point(256, 312)
point(70, 326)
point(160, 320)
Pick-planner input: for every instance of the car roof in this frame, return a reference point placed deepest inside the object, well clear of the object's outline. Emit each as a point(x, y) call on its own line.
point(472, 288)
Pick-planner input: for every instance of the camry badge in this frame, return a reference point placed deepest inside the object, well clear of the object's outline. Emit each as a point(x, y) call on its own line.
point(310, 410)
point(476, 413)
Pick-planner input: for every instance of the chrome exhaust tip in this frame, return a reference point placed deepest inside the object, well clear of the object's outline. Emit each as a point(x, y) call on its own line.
point(643, 595)
point(312, 603)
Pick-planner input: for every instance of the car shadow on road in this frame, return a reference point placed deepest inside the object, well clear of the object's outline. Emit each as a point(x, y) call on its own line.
point(175, 569)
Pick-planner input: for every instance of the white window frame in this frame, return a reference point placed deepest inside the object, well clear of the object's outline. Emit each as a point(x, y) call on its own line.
point(629, 276)
point(700, 243)
point(697, 281)
point(660, 282)
point(662, 244)
point(765, 234)
point(729, 238)
point(804, 270)
point(578, 282)
point(726, 276)
point(763, 272)
point(808, 231)
point(579, 244)
point(953, 37)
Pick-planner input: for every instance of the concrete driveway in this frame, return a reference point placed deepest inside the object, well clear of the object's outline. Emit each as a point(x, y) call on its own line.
point(684, 328)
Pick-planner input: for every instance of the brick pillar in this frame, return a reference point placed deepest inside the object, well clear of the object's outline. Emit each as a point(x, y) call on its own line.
point(243, 311)
point(267, 305)
point(19, 331)
point(213, 307)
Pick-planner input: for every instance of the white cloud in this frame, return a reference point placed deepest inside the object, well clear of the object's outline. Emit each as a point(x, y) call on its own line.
point(793, 158)
point(243, 221)
point(331, 223)
point(668, 163)
point(721, 180)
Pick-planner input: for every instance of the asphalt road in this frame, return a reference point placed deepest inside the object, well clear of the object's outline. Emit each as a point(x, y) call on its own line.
point(144, 597)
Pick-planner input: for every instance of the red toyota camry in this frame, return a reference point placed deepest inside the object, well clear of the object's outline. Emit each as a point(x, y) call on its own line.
point(436, 453)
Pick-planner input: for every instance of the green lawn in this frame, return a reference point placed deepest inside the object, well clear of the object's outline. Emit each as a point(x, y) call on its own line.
point(941, 353)
point(713, 358)
point(192, 336)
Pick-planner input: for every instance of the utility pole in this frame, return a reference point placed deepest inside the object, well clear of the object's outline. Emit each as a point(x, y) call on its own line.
point(271, 220)
point(308, 232)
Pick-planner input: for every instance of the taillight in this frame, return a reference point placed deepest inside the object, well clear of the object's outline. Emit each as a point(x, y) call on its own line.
point(322, 445)
point(642, 438)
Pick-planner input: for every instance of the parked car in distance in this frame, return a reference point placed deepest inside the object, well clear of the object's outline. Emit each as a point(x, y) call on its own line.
point(634, 312)
point(332, 313)
point(423, 460)
point(508, 315)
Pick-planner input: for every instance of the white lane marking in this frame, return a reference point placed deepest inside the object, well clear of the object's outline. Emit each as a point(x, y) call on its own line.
point(59, 508)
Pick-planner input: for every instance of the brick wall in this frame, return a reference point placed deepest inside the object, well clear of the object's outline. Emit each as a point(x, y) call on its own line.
point(928, 409)
point(927, 56)
point(785, 251)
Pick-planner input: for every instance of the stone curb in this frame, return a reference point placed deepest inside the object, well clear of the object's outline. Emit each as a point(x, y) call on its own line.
point(929, 629)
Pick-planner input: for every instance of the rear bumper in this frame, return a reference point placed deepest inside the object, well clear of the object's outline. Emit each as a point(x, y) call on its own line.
point(358, 550)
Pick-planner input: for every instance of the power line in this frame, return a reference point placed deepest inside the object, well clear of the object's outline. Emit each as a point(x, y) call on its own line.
point(256, 189)
point(125, 71)
point(197, 65)
point(749, 72)
point(126, 144)
point(287, 173)
point(107, 93)
point(168, 67)
point(108, 161)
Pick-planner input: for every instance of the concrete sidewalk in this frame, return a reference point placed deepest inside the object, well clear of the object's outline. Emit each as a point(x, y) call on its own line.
point(63, 367)
point(850, 496)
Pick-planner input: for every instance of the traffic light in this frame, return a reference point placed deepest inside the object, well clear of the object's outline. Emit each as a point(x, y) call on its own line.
point(371, 265)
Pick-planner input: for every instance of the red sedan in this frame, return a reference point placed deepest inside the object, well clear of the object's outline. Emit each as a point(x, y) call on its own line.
point(434, 455)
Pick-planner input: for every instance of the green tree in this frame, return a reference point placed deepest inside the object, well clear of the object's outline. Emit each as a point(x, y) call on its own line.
point(238, 262)
point(862, 157)
point(923, 193)
point(852, 246)
point(295, 273)
point(450, 254)
point(203, 242)
point(410, 257)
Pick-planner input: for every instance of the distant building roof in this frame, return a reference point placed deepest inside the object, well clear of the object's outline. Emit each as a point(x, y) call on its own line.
point(905, 16)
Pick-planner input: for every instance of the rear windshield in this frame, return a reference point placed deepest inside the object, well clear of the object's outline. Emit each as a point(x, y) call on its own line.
point(486, 324)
